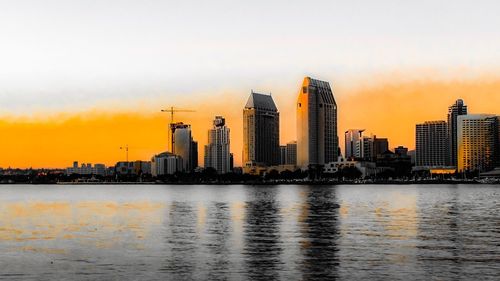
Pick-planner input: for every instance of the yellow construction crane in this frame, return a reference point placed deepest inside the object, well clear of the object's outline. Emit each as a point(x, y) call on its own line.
point(172, 110)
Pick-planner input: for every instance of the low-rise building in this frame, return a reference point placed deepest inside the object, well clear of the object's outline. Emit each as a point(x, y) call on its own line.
point(86, 169)
point(166, 163)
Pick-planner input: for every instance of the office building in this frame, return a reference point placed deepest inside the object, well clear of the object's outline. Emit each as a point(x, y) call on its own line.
point(317, 139)
point(432, 144)
point(86, 169)
point(291, 153)
point(166, 163)
point(373, 147)
point(455, 110)
point(185, 146)
point(282, 154)
point(217, 153)
point(133, 167)
point(477, 142)
point(354, 144)
point(261, 131)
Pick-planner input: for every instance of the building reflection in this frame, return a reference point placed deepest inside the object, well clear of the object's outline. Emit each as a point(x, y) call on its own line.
point(319, 230)
point(439, 232)
point(261, 230)
point(218, 234)
point(181, 242)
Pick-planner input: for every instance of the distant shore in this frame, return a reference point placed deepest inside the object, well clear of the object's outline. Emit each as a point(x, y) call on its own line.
point(276, 182)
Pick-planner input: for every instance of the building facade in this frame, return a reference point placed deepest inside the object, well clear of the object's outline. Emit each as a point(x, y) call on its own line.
point(86, 169)
point(373, 147)
point(291, 153)
point(165, 163)
point(477, 142)
point(261, 131)
point(282, 154)
point(431, 144)
point(317, 139)
point(455, 110)
point(185, 146)
point(217, 151)
point(354, 144)
point(132, 167)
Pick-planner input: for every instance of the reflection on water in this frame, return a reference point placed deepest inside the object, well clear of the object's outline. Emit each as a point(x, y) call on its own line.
point(319, 230)
point(262, 234)
point(249, 233)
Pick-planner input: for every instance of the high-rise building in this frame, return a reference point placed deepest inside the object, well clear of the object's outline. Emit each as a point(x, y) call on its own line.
point(354, 144)
point(291, 153)
point(185, 146)
point(432, 144)
point(317, 139)
point(217, 153)
point(477, 142)
point(261, 131)
point(455, 110)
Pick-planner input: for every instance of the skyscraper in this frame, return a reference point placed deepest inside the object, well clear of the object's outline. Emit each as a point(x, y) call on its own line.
point(317, 139)
point(261, 131)
point(185, 146)
point(354, 144)
point(217, 153)
point(432, 144)
point(477, 140)
point(455, 110)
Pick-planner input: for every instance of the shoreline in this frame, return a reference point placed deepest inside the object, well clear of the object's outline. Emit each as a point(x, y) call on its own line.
point(423, 182)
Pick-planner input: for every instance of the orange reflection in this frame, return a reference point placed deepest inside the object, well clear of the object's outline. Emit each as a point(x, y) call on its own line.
point(93, 223)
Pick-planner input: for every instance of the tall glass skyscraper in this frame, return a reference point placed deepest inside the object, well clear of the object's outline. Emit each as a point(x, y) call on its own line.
point(455, 110)
point(217, 153)
point(261, 131)
point(317, 139)
point(185, 146)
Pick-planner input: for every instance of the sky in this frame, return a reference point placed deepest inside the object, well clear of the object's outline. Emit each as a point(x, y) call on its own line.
point(79, 79)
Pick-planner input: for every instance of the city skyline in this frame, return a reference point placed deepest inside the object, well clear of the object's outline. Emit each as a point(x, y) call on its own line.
point(78, 80)
point(59, 137)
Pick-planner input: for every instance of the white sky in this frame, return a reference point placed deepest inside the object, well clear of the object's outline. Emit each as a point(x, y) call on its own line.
point(60, 54)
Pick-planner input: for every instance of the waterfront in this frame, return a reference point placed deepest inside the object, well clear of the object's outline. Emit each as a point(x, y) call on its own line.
point(294, 232)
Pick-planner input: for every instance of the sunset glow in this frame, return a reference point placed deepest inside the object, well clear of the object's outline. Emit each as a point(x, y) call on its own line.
point(385, 109)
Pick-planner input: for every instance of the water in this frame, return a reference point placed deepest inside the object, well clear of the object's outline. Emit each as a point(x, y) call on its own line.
point(250, 232)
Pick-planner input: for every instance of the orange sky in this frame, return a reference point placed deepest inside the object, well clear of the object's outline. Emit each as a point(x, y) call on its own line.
point(385, 109)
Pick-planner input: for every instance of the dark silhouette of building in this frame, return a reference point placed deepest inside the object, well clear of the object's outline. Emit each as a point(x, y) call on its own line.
point(455, 110)
point(432, 144)
point(261, 131)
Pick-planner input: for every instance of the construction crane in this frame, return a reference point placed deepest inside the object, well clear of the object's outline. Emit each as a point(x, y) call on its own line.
point(173, 110)
point(126, 151)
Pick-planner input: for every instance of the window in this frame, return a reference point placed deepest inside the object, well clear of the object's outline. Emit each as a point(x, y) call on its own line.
point(304, 90)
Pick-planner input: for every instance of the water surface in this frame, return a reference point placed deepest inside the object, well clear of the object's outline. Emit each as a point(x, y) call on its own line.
point(140, 232)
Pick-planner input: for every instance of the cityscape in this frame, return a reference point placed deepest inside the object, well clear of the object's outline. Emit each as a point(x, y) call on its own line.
point(249, 140)
point(463, 147)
